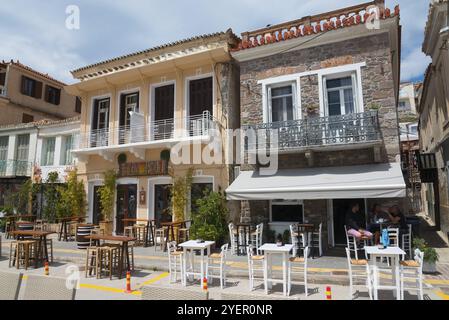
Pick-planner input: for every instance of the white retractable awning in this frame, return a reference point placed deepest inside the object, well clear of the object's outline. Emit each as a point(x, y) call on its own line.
point(352, 182)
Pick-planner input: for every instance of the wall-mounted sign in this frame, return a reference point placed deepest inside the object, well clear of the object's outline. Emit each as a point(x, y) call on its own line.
point(150, 168)
point(142, 198)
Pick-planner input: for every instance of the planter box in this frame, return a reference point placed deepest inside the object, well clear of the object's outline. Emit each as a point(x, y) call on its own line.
point(107, 227)
point(429, 268)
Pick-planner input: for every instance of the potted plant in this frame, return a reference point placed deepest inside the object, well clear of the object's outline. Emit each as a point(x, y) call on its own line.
point(431, 256)
point(106, 194)
point(279, 240)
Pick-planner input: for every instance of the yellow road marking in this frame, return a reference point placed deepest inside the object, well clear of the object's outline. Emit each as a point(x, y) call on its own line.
point(437, 282)
point(153, 280)
point(107, 289)
point(442, 295)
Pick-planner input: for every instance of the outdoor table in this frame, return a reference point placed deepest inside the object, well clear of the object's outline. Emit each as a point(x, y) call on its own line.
point(63, 228)
point(171, 230)
point(149, 230)
point(123, 245)
point(269, 250)
point(42, 242)
point(394, 253)
point(190, 247)
point(246, 231)
point(308, 230)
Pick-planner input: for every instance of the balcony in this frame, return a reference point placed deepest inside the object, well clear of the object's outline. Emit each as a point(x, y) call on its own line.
point(15, 168)
point(314, 133)
point(141, 136)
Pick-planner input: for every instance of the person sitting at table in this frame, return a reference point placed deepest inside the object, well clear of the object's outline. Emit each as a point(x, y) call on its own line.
point(355, 221)
point(375, 215)
point(398, 218)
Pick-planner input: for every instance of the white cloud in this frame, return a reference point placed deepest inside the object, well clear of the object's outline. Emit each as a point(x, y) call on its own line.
point(414, 65)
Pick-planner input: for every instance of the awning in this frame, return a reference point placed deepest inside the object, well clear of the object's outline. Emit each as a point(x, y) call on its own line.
point(352, 182)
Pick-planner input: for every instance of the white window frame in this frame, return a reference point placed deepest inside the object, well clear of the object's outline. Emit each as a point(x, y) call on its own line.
point(20, 148)
point(285, 203)
point(66, 151)
point(47, 161)
point(269, 103)
point(341, 90)
point(187, 93)
point(92, 103)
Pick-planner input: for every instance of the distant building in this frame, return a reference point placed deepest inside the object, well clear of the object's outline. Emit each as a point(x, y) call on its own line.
point(27, 95)
point(409, 94)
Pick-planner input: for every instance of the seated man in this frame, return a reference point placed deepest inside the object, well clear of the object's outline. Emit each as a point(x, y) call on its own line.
point(376, 214)
point(355, 221)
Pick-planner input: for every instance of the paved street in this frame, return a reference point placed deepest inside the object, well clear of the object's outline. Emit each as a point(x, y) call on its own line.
point(152, 266)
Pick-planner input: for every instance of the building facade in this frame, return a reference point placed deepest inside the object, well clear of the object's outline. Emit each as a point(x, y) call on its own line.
point(140, 107)
point(33, 150)
point(434, 117)
point(27, 95)
point(327, 86)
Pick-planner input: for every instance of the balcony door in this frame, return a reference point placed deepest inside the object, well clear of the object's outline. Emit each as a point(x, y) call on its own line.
point(22, 155)
point(126, 205)
point(100, 123)
point(164, 112)
point(281, 103)
point(200, 101)
point(340, 96)
point(128, 103)
point(4, 141)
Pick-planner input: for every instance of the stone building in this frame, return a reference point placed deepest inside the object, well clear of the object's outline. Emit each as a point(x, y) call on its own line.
point(433, 113)
point(327, 86)
point(27, 95)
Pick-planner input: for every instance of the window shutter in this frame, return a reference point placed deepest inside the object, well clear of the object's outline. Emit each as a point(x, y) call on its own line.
point(355, 90)
point(122, 109)
point(58, 97)
point(325, 98)
point(270, 106)
point(95, 115)
point(47, 94)
point(23, 86)
point(38, 90)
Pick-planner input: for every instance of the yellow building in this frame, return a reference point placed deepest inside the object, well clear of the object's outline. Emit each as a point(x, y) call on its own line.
point(138, 106)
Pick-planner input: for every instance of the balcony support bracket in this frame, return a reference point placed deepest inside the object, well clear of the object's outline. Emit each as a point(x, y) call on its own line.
point(138, 153)
point(310, 158)
point(107, 156)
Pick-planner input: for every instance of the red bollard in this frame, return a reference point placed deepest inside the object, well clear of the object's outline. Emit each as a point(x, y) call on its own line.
point(205, 288)
point(328, 293)
point(46, 268)
point(128, 282)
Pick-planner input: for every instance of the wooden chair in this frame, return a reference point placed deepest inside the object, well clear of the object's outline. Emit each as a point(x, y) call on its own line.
point(175, 262)
point(407, 241)
point(256, 237)
point(352, 243)
point(21, 252)
point(216, 266)
point(412, 269)
point(108, 260)
point(256, 263)
point(233, 237)
point(315, 239)
point(47, 288)
point(10, 285)
point(160, 237)
point(300, 263)
point(358, 269)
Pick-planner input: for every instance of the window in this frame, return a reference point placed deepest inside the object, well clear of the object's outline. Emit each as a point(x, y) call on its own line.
point(78, 105)
point(340, 95)
point(402, 105)
point(48, 152)
point(129, 103)
point(4, 141)
point(31, 87)
point(200, 96)
point(23, 142)
point(164, 102)
point(27, 118)
point(2, 78)
point(281, 101)
point(67, 157)
point(52, 95)
point(287, 211)
point(100, 123)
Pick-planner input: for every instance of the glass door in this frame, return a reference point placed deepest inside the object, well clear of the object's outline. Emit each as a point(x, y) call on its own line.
point(163, 203)
point(126, 205)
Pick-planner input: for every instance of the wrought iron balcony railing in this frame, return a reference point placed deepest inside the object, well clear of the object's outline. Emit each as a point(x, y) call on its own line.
point(313, 132)
point(193, 126)
point(15, 168)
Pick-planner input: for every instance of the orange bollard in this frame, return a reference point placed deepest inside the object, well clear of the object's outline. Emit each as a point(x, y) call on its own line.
point(328, 293)
point(205, 288)
point(46, 268)
point(128, 282)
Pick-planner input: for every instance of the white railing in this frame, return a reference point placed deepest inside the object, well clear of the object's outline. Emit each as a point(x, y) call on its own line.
point(160, 130)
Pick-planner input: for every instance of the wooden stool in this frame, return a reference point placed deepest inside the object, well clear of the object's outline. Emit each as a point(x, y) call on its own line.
point(140, 233)
point(183, 235)
point(108, 260)
point(129, 232)
point(159, 238)
point(24, 251)
point(92, 260)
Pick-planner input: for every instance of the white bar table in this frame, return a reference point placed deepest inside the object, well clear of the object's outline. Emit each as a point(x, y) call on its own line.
point(394, 253)
point(190, 247)
point(269, 250)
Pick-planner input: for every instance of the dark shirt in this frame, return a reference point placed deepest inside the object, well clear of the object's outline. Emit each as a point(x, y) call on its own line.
point(402, 223)
point(355, 221)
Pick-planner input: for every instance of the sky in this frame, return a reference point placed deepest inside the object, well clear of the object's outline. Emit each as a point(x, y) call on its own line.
point(35, 32)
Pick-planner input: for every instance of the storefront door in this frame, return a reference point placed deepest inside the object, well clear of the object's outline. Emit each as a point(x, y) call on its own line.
point(340, 208)
point(126, 205)
point(162, 203)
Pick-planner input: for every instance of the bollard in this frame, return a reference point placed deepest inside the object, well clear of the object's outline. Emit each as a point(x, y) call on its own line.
point(46, 268)
point(128, 282)
point(328, 293)
point(205, 288)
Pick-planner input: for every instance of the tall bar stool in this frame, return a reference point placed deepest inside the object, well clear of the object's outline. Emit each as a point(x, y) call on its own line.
point(128, 231)
point(140, 234)
point(256, 264)
point(92, 261)
point(23, 252)
point(183, 234)
point(256, 237)
point(175, 263)
point(108, 260)
point(160, 237)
